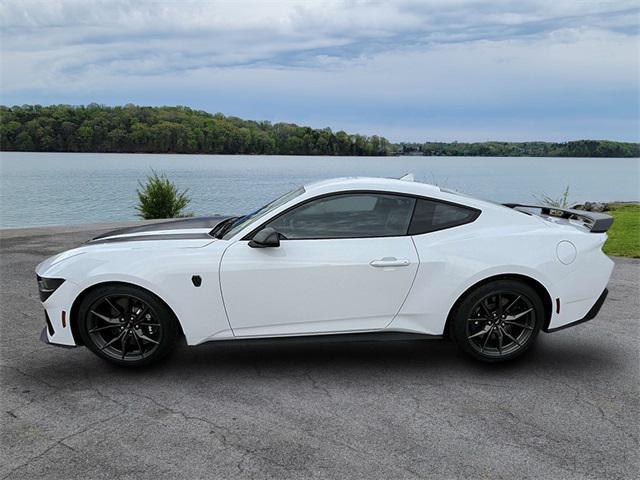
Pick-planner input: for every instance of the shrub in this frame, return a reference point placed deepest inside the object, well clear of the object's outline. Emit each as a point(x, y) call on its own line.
point(560, 202)
point(160, 198)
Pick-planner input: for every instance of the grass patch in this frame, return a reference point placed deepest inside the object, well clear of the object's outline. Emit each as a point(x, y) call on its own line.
point(624, 234)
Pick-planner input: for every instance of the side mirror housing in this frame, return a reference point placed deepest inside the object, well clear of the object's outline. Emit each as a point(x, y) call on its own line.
point(267, 237)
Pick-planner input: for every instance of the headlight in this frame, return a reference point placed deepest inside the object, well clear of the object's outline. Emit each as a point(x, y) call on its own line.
point(46, 286)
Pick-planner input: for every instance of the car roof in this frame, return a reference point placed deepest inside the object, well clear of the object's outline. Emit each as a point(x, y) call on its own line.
point(371, 183)
point(394, 185)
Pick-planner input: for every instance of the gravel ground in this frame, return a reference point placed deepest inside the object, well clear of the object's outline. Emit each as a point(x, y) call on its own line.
point(342, 410)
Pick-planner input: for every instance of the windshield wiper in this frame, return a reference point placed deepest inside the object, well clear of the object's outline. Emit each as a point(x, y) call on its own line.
point(223, 227)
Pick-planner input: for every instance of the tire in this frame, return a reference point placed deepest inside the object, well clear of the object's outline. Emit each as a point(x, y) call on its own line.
point(126, 325)
point(497, 321)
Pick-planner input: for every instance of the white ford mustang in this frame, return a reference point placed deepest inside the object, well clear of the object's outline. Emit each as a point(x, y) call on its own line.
point(349, 258)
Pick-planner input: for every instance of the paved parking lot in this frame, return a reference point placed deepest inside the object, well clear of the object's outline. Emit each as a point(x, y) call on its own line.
point(342, 410)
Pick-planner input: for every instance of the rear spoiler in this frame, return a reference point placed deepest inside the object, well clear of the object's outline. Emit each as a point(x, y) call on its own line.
point(597, 222)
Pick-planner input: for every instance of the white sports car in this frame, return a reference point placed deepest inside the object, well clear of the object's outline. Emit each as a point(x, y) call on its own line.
point(351, 258)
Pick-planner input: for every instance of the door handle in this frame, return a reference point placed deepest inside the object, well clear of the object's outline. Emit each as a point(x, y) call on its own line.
point(390, 262)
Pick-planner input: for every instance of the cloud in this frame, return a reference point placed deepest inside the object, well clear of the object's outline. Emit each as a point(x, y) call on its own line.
point(447, 68)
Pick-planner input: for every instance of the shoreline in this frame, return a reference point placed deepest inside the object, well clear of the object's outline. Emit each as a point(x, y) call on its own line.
point(11, 232)
point(293, 155)
point(96, 228)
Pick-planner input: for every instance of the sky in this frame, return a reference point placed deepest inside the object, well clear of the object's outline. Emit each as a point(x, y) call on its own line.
point(431, 70)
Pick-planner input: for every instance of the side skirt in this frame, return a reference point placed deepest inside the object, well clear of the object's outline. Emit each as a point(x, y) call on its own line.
point(331, 338)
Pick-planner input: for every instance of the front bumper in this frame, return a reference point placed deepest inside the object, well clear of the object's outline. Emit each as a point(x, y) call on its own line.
point(57, 308)
point(44, 338)
point(591, 314)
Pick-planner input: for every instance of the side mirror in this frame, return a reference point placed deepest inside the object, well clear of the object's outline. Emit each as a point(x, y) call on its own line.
point(267, 237)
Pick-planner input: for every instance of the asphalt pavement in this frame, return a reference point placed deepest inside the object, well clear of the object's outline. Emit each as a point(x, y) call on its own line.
point(367, 410)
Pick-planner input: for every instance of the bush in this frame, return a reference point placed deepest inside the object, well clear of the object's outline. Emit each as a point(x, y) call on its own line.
point(160, 198)
point(560, 202)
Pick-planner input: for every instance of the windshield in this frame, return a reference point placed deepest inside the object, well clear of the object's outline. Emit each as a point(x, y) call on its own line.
point(243, 222)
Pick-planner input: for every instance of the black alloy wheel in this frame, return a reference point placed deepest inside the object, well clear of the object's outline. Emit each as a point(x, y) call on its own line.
point(498, 321)
point(126, 325)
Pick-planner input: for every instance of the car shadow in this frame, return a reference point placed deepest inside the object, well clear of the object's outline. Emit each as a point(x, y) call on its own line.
point(283, 357)
point(394, 362)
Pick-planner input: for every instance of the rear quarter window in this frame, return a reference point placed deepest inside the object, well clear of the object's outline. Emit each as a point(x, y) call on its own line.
point(432, 215)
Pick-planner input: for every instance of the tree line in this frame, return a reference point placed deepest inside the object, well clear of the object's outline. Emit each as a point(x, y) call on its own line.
point(136, 129)
point(577, 148)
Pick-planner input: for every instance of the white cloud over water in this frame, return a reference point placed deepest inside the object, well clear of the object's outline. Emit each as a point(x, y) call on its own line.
point(406, 69)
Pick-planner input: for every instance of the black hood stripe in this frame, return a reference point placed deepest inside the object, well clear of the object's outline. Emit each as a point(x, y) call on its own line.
point(183, 223)
point(141, 238)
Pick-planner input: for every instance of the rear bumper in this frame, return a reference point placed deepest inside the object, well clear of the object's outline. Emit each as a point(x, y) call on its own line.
point(591, 314)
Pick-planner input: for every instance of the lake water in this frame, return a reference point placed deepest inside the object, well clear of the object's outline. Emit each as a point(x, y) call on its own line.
point(39, 189)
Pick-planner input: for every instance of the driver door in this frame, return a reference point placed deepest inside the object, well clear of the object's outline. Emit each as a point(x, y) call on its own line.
point(345, 264)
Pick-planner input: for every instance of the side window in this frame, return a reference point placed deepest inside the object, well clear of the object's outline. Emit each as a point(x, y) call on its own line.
point(431, 215)
point(347, 216)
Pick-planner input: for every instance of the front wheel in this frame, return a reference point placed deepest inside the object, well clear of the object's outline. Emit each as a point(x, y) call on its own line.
point(497, 321)
point(126, 325)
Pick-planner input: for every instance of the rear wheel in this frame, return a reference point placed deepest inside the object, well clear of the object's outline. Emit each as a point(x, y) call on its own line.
point(126, 325)
point(498, 321)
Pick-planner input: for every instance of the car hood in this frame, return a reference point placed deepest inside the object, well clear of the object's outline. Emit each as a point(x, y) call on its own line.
point(197, 228)
point(175, 234)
